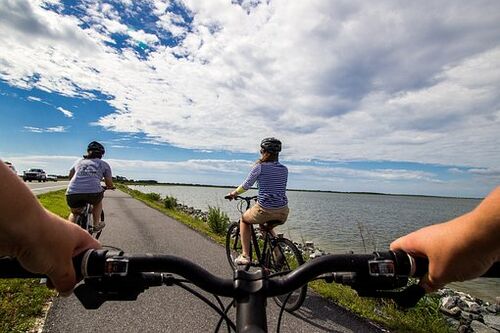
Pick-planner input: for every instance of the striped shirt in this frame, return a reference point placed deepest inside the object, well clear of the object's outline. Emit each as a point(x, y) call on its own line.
point(271, 178)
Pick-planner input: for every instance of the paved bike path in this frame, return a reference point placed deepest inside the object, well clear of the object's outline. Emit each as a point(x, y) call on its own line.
point(136, 228)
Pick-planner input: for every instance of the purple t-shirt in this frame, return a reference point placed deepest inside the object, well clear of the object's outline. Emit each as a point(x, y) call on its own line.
point(88, 176)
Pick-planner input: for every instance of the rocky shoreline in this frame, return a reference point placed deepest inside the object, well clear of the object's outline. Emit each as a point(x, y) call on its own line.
point(464, 313)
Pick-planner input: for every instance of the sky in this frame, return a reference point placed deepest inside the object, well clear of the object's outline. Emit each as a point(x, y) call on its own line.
point(385, 96)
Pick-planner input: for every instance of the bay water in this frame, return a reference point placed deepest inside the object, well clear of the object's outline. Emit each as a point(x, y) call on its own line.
point(343, 222)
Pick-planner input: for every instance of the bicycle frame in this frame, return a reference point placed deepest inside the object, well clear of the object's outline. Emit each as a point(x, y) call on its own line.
point(86, 215)
point(267, 240)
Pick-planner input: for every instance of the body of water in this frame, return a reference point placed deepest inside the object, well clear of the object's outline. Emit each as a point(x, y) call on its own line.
point(342, 222)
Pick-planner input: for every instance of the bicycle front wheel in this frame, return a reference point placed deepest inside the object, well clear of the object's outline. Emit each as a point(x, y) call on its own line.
point(285, 257)
point(233, 243)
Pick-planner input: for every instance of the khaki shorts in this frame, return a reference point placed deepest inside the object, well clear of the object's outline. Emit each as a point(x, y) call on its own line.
point(260, 215)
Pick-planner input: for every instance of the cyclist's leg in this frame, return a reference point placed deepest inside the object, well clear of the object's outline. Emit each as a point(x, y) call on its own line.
point(96, 200)
point(251, 216)
point(76, 206)
point(245, 234)
point(96, 212)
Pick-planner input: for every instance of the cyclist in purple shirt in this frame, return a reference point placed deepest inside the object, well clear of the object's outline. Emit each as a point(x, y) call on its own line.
point(272, 203)
point(85, 183)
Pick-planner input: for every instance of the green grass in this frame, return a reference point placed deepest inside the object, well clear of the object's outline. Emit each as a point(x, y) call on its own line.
point(22, 301)
point(424, 318)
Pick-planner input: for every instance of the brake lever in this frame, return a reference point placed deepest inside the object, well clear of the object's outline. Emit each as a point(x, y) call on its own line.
point(95, 291)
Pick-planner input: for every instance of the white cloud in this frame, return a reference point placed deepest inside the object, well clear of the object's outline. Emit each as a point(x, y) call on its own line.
point(33, 98)
point(54, 129)
point(66, 113)
point(335, 80)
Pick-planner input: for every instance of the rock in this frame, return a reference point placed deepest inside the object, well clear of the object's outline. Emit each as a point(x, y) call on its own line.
point(464, 296)
point(453, 311)
point(492, 321)
point(473, 307)
point(455, 324)
point(463, 329)
point(493, 308)
point(479, 327)
point(470, 316)
point(449, 302)
point(316, 254)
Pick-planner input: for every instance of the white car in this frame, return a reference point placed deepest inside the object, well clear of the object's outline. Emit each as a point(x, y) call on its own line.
point(35, 174)
point(11, 166)
point(51, 178)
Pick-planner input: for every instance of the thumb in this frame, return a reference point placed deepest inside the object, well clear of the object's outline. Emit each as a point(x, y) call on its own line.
point(63, 279)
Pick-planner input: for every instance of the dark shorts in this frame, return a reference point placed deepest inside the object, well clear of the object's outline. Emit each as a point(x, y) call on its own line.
point(79, 200)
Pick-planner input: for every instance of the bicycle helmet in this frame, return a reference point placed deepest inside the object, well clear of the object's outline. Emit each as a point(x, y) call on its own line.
point(96, 146)
point(271, 145)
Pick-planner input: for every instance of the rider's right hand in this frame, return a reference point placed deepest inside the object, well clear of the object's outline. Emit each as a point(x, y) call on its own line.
point(460, 249)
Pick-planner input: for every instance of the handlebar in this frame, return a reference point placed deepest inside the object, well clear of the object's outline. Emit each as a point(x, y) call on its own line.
point(239, 197)
point(363, 272)
point(115, 275)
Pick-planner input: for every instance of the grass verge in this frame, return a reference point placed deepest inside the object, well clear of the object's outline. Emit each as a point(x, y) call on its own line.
point(22, 301)
point(424, 318)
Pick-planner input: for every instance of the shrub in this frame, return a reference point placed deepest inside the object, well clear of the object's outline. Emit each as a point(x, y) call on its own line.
point(170, 202)
point(153, 196)
point(217, 220)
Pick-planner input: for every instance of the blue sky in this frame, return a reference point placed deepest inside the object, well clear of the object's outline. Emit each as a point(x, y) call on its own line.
point(385, 97)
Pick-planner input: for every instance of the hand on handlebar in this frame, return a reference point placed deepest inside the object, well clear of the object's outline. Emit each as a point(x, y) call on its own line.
point(458, 250)
point(231, 196)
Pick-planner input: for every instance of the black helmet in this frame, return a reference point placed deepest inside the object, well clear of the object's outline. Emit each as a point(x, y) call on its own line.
point(271, 145)
point(96, 146)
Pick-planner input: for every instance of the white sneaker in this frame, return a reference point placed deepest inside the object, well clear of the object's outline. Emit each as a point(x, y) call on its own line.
point(242, 260)
point(99, 227)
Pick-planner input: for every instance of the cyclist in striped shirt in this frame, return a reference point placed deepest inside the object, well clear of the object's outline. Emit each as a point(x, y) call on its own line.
point(272, 203)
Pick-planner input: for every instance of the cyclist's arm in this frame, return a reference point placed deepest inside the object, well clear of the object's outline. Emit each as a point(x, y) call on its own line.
point(249, 181)
point(71, 173)
point(108, 178)
point(460, 249)
point(41, 241)
point(109, 183)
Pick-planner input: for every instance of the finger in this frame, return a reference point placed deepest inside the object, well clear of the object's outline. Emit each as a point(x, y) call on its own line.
point(409, 244)
point(428, 285)
point(64, 279)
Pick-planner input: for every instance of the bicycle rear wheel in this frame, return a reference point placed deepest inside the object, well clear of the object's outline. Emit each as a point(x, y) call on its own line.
point(82, 219)
point(233, 243)
point(283, 258)
point(98, 234)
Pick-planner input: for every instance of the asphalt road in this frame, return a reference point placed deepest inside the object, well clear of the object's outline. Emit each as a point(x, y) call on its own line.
point(136, 228)
point(39, 188)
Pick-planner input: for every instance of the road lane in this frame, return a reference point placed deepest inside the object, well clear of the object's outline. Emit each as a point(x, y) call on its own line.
point(39, 188)
point(137, 228)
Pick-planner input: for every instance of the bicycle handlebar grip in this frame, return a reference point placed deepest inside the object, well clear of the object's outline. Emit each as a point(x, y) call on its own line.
point(421, 267)
point(10, 268)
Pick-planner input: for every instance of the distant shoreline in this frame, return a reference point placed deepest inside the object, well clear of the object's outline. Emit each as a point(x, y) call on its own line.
point(155, 183)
